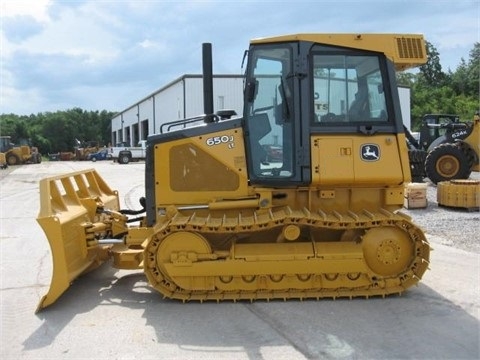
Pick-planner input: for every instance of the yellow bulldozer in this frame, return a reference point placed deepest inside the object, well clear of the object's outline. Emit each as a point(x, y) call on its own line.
point(17, 155)
point(222, 220)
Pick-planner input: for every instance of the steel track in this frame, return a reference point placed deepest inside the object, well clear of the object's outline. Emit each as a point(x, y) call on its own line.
point(325, 284)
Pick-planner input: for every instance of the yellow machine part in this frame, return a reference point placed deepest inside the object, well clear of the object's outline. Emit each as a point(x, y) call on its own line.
point(70, 218)
point(3, 160)
point(473, 141)
point(285, 254)
point(186, 178)
point(334, 161)
point(459, 193)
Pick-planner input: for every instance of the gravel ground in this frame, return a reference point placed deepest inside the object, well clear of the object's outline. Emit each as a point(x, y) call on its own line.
point(457, 228)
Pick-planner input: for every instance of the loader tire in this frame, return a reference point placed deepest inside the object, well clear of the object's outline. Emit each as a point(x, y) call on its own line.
point(13, 159)
point(417, 165)
point(447, 162)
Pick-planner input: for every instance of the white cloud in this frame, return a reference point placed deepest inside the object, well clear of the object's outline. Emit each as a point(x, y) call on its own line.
point(72, 33)
point(36, 9)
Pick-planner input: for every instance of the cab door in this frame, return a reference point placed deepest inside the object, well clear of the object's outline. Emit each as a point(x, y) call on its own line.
point(272, 116)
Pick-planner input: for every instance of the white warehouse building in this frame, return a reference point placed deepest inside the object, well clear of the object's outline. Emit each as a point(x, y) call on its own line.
point(180, 99)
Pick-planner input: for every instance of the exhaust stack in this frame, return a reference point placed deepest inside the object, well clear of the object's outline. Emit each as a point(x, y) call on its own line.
point(207, 82)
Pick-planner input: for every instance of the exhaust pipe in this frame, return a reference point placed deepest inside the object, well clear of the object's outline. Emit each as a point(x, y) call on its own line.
point(207, 82)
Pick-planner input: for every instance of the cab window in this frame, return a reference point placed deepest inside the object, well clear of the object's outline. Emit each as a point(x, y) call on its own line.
point(348, 89)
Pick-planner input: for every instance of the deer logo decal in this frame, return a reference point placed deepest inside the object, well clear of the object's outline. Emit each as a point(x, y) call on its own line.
point(370, 152)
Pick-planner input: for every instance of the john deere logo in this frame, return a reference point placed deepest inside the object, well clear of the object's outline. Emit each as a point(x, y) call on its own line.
point(370, 152)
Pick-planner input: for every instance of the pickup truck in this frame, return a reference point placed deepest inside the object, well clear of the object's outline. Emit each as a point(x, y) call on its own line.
point(125, 154)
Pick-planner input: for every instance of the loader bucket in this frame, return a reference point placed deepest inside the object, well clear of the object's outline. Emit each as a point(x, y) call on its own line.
point(68, 203)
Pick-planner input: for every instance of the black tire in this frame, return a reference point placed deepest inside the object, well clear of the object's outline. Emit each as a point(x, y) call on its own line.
point(13, 159)
point(447, 162)
point(417, 165)
point(94, 158)
point(123, 158)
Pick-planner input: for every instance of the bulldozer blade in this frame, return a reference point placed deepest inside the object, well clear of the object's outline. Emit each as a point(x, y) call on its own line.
point(68, 204)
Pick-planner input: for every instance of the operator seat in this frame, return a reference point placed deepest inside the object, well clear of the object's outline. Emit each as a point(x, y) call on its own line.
point(359, 108)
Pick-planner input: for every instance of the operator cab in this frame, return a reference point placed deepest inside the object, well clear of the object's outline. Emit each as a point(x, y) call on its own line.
point(296, 89)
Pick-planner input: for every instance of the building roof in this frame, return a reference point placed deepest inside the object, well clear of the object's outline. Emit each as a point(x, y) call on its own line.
point(181, 78)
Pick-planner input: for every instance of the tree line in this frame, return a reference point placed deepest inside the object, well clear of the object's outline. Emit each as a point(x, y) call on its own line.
point(432, 91)
point(60, 131)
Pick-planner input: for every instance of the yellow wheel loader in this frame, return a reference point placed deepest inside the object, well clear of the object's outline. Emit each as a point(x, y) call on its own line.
point(17, 155)
point(223, 220)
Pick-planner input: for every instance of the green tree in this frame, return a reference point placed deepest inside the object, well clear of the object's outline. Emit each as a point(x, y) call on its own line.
point(431, 72)
point(432, 91)
point(466, 78)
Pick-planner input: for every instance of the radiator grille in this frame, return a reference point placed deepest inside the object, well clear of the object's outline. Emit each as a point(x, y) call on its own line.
point(410, 48)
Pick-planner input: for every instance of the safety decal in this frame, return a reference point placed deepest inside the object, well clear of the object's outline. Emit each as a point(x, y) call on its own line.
point(370, 152)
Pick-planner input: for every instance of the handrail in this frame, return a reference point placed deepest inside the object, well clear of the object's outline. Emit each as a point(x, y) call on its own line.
point(183, 122)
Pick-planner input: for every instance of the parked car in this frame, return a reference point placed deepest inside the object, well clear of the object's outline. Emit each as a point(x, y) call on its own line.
point(102, 154)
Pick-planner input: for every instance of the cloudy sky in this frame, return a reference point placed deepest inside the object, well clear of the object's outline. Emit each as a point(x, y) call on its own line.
point(107, 54)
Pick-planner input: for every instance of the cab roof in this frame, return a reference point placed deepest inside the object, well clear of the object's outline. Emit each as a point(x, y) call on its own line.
point(405, 50)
